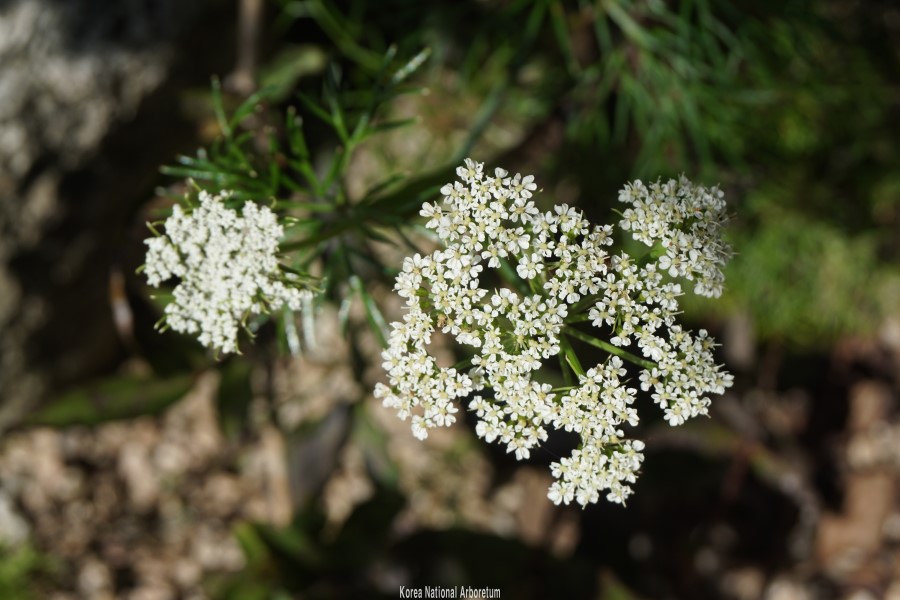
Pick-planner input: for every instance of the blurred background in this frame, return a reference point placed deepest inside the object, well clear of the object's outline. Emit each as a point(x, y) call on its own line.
point(135, 465)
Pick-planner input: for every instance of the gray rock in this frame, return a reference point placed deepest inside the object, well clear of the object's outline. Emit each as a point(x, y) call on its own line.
point(86, 103)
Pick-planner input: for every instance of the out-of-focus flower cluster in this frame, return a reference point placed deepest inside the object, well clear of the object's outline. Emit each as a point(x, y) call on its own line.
point(560, 272)
point(227, 266)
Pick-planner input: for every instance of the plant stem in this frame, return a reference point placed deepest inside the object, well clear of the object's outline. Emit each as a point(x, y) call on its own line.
point(598, 343)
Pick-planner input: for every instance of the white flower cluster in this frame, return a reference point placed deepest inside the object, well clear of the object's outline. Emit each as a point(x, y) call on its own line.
point(688, 221)
point(559, 267)
point(641, 308)
point(227, 265)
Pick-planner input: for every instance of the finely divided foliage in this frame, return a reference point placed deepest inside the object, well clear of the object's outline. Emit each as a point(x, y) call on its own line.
point(228, 269)
point(559, 267)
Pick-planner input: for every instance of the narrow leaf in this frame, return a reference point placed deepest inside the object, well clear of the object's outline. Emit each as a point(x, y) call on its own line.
point(373, 314)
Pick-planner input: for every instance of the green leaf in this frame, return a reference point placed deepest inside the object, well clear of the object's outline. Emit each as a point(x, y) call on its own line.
point(296, 139)
point(282, 72)
point(571, 358)
point(406, 240)
point(274, 170)
point(254, 547)
point(395, 124)
point(248, 106)
point(219, 108)
point(603, 35)
point(344, 314)
point(366, 535)
point(305, 169)
point(290, 542)
point(387, 59)
point(316, 110)
point(313, 207)
point(561, 29)
point(233, 399)
point(374, 441)
point(411, 66)
point(483, 117)
point(383, 185)
point(376, 235)
point(333, 24)
point(628, 25)
point(21, 567)
point(373, 314)
point(361, 131)
point(407, 200)
point(332, 82)
point(335, 169)
point(113, 398)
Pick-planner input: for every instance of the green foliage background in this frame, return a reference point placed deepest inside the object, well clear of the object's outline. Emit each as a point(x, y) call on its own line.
point(790, 105)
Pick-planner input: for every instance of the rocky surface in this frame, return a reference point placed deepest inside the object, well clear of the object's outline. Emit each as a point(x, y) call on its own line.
point(143, 508)
point(88, 111)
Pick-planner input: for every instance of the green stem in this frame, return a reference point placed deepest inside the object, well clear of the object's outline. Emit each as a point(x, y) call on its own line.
point(577, 319)
point(463, 364)
point(565, 388)
point(508, 273)
point(598, 343)
point(571, 359)
point(586, 303)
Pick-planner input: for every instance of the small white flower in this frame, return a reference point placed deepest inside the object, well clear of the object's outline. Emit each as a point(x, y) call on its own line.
point(529, 266)
point(228, 269)
point(687, 221)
